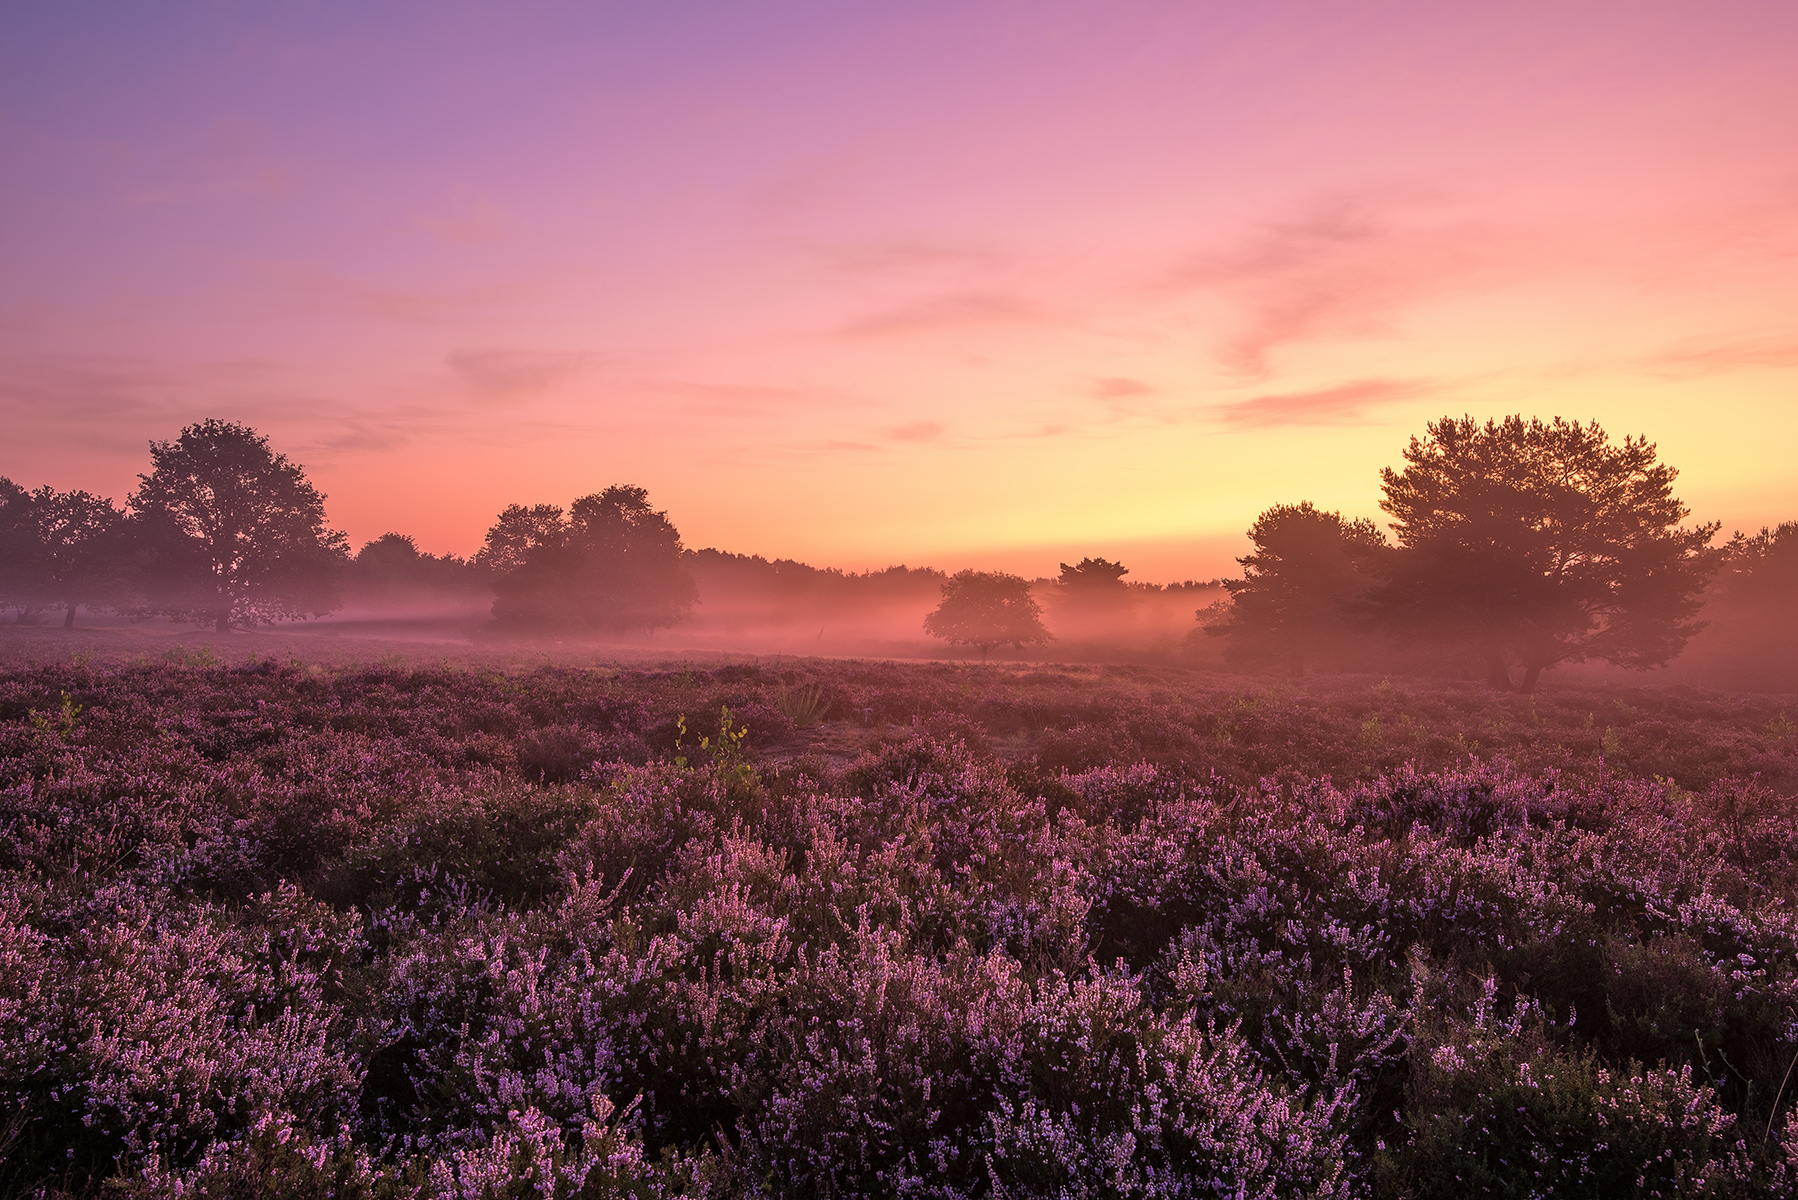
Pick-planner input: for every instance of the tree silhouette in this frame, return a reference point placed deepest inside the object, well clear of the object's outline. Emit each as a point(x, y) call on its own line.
point(987, 609)
point(1751, 640)
point(21, 569)
point(1308, 566)
point(1093, 576)
point(234, 533)
point(1530, 544)
point(612, 563)
point(393, 566)
point(79, 555)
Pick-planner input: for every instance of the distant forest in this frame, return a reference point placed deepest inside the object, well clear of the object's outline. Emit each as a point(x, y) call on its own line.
point(1516, 546)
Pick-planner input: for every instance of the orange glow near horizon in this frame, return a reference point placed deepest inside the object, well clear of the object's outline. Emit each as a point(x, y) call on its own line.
point(997, 285)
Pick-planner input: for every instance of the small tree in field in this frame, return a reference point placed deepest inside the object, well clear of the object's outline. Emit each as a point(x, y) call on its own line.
point(234, 533)
point(987, 609)
point(1529, 544)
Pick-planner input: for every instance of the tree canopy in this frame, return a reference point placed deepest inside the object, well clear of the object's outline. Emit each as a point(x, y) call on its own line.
point(1292, 603)
point(233, 532)
point(1093, 576)
point(1531, 543)
point(517, 532)
point(1092, 588)
point(610, 563)
point(987, 609)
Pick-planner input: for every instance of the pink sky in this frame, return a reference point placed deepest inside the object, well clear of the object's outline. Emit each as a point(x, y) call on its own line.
point(963, 284)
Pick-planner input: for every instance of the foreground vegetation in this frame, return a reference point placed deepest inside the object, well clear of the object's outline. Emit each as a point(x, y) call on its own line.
point(274, 928)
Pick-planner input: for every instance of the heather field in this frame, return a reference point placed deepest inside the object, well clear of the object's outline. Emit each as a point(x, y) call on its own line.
point(272, 925)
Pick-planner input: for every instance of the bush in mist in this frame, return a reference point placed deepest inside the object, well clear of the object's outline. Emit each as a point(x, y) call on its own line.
point(610, 564)
point(279, 930)
point(987, 609)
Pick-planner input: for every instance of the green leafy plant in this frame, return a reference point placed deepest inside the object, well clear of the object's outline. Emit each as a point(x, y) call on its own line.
point(62, 720)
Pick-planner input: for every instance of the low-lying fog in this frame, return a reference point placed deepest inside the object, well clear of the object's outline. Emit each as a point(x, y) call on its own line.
point(884, 623)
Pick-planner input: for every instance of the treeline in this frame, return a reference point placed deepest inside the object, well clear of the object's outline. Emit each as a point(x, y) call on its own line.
point(223, 531)
point(1518, 546)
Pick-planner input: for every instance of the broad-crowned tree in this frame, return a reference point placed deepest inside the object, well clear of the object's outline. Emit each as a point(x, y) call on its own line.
point(612, 564)
point(235, 534)
point(1292, 603)
point(987, 609)
point(1532, 543)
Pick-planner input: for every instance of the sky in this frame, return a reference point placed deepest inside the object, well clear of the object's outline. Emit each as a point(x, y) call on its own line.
point(961, 284)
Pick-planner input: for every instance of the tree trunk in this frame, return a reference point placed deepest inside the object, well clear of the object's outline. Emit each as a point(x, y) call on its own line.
point(224, 622)
point(68, 618)
point(1529, 678)
point(1497, 674)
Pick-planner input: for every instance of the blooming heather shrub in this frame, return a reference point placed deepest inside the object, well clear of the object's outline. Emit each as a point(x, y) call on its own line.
point(301, 931)
point(1498, 1108)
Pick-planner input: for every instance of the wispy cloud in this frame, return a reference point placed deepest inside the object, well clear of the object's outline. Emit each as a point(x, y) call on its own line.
point(1701, 358)
point(113, 405)
point(508, 376)
point(1340, 405)
point(1345, 267)
point(90, 399)
point(337, 293)
point(697, 398)
point(916, 431)
point(1117, 387)
point(910, 257)
point(956, 310)
point(1121, 396)
point(354, 434)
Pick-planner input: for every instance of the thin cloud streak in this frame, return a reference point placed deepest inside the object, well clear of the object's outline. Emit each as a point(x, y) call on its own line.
point(509, 376)
point(1700, 359)
point(916, 431)
point(1346, 267)
point(417, 306)
point(961, 310)
point(1341, 405)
